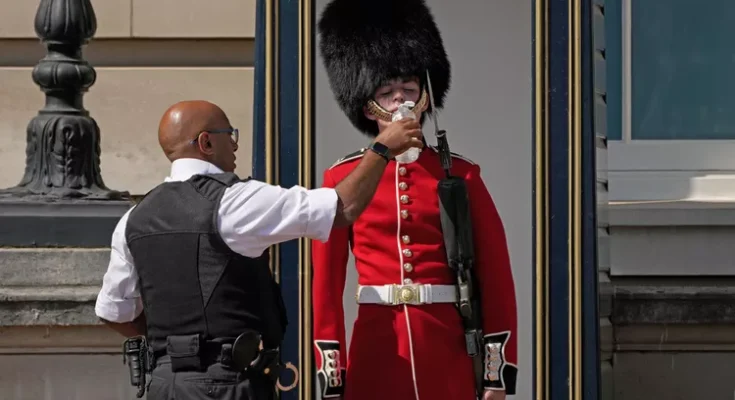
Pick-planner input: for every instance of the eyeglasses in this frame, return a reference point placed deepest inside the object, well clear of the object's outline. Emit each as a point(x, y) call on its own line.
point(234, 134)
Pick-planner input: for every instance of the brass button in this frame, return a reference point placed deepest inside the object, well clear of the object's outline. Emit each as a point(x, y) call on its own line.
point(406, 239)
point(402, 171)
point(404, 199)
point(404, 214)
point(407, 252)
point(407, 281)
point(408, 267)
point(403, 186)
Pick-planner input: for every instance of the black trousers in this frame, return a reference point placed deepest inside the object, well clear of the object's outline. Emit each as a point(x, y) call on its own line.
point(218, 382)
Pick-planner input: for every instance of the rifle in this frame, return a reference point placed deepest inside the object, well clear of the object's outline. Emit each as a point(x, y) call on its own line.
point(456, 224)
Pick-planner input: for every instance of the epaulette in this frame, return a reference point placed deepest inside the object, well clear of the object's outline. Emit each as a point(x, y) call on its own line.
point(349, 157)
point(454, 155)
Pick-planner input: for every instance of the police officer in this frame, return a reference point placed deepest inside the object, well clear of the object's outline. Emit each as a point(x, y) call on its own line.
point(189, 266)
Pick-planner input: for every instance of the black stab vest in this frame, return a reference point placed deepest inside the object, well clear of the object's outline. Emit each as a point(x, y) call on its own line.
point(190, 281)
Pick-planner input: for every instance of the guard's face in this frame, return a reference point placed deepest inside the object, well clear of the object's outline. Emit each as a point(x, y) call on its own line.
point(393, 94)
point(398, 91)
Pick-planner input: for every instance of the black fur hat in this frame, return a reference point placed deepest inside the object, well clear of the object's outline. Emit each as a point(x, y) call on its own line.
point(365, 43)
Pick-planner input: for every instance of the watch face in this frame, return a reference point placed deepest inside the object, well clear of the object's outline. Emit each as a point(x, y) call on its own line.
point(380, 148)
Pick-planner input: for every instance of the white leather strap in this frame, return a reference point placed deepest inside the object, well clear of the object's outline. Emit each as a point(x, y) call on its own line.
point(415, 294)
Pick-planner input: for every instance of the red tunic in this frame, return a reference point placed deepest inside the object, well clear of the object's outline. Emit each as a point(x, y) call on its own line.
point(411, 351)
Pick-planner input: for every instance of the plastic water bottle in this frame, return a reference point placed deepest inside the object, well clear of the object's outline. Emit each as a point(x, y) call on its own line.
point(404, 111)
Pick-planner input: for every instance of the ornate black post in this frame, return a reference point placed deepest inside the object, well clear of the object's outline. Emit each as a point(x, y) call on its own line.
point(61, 200)
point(63, 141)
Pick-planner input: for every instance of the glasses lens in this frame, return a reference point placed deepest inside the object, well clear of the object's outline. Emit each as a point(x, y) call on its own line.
point(235, 135)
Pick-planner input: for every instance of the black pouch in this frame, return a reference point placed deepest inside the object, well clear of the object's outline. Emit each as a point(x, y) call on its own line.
point(184, 353)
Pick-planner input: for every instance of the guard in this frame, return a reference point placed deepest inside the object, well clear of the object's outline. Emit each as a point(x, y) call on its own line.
point(409, 339)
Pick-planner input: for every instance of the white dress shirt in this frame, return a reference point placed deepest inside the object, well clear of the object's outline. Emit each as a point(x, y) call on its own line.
point(252, 216)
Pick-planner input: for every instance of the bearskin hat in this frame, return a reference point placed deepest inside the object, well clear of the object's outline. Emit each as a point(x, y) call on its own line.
point(366, 43)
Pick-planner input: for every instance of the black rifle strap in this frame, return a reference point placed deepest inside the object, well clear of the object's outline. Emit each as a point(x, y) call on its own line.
point(456, 223)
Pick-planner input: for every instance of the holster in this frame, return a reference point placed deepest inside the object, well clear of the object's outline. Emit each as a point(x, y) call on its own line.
point(248, 356)
point(139, 358)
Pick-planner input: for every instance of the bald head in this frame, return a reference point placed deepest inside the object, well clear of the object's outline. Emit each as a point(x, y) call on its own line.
point(182, 122)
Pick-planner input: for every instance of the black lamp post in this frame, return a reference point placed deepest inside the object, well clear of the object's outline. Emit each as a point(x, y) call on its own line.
point(63, 141)
point(61, 200)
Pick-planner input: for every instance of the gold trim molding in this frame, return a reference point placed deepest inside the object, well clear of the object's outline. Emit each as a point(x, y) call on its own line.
point(306, 109)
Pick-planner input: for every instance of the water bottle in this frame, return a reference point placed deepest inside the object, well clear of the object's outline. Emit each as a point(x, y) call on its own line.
point(404, 111)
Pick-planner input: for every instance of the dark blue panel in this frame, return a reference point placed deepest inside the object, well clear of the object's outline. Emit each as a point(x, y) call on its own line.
point(286, 158)
point(258, 150)
point(288, 165)
point(558, 191)
point(590, 316)
point(559, 198)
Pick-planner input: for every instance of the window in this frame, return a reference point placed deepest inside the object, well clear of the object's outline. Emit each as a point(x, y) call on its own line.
point(671, 99)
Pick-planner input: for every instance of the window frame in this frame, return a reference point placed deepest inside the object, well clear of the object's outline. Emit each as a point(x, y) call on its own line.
point(663, 169)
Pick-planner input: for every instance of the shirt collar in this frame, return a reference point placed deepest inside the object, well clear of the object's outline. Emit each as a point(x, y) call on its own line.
point(184, 168)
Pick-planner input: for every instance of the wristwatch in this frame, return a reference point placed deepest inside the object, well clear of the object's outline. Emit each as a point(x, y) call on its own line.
point(381, 150)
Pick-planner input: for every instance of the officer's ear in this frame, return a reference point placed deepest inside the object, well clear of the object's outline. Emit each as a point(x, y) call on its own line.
point(205, 144)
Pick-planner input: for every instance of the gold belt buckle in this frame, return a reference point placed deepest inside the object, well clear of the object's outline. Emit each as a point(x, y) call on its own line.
point(406, 294)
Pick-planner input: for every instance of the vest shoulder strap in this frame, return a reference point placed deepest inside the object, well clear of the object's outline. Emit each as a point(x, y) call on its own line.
point(212, 186)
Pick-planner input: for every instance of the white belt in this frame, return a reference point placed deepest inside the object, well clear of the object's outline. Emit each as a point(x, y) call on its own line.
point(415, 294)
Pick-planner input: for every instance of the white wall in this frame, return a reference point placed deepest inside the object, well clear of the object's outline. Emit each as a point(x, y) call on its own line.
point(488, 117)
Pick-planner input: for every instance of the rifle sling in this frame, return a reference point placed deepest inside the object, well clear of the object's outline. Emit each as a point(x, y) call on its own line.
point(457, 231)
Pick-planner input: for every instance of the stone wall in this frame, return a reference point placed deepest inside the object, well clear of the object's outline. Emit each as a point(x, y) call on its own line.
point(674, 338)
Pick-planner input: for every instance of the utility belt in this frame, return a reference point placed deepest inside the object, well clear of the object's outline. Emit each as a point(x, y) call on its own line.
point(243, 354)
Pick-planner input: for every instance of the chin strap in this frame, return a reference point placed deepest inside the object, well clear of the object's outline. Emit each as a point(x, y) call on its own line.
point(380, 112)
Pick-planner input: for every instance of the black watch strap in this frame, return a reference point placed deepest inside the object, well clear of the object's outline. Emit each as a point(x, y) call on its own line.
point(380, 149)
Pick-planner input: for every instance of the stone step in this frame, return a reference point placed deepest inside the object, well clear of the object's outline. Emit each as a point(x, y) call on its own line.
point(47, 313)
point(64, 223)
point(48, 267)
point(77, 294)
point(50, 286)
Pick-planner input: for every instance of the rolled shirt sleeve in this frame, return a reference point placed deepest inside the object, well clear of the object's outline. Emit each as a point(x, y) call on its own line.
point(322, 211)
point(119, 298)
point(254, 215)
